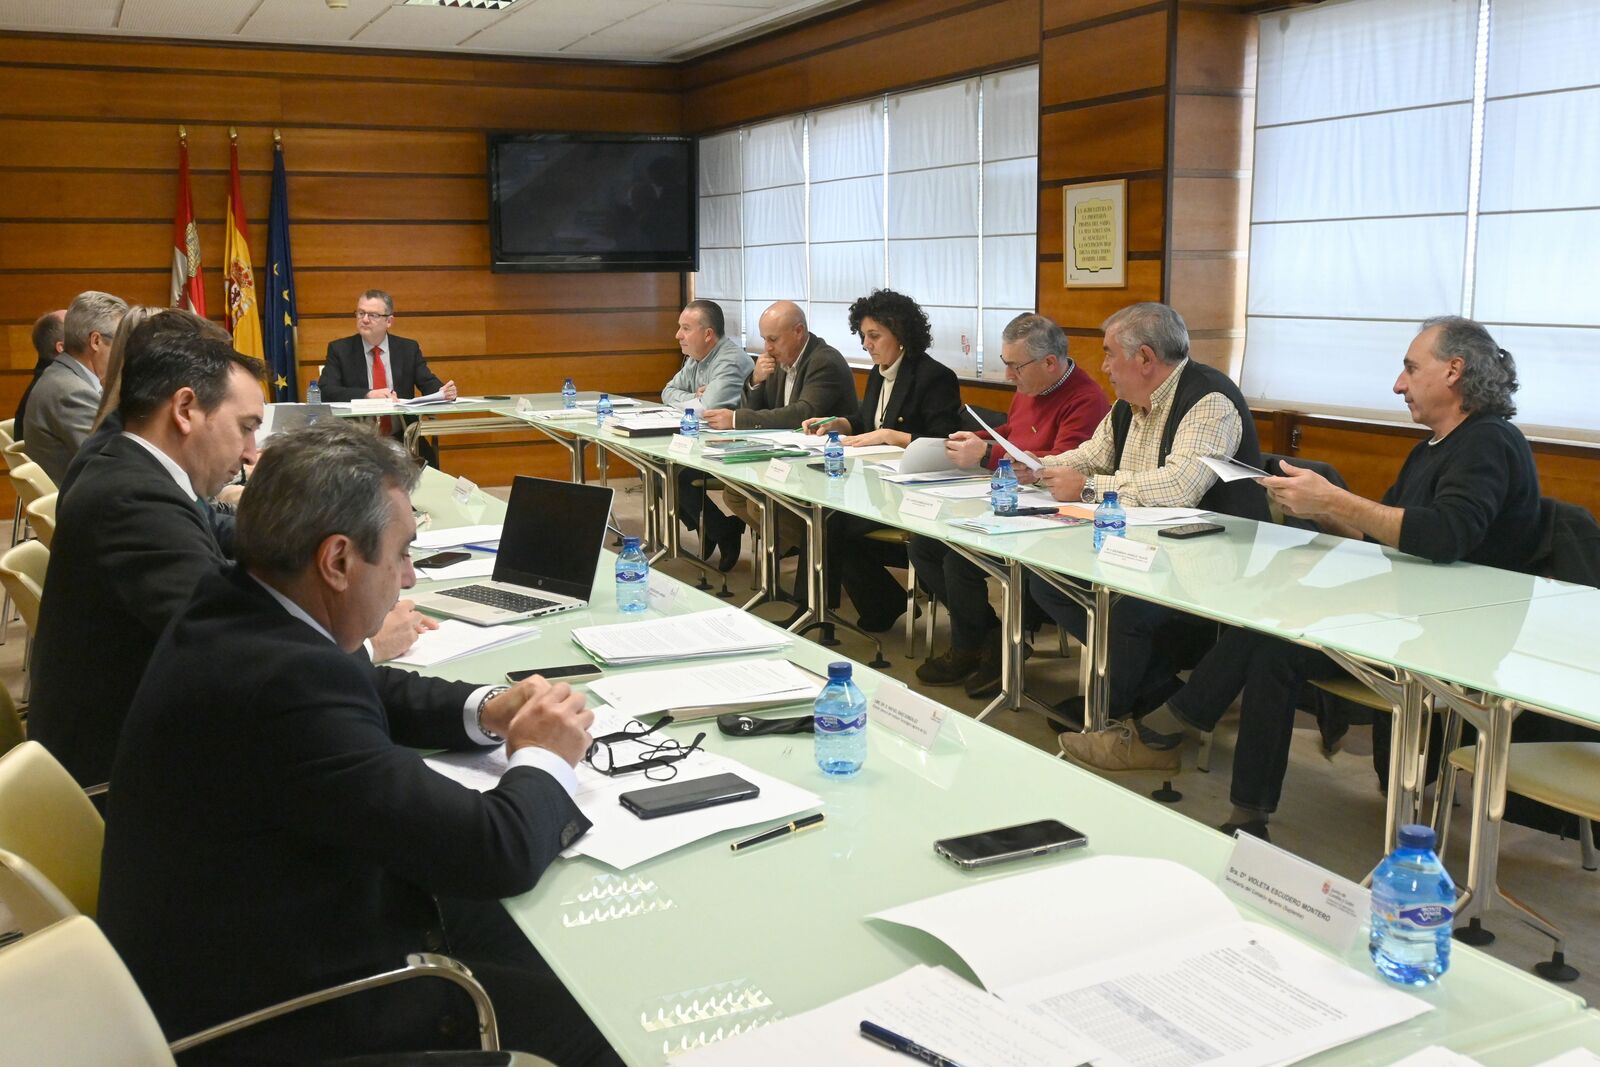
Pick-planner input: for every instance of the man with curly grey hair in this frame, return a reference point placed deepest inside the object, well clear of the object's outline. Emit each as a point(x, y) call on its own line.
point(1468, 492)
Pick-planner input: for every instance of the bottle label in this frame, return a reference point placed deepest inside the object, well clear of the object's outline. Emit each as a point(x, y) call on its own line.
point(832, 724)
point(1426, 916)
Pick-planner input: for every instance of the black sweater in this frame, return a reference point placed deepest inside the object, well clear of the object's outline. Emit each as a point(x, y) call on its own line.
point(1472, 496)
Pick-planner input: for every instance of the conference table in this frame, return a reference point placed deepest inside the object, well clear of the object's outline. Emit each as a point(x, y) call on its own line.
point(1295, 584)
point(701, 944)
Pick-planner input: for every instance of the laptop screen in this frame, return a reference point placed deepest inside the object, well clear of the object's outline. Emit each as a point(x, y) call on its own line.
point(553, 535)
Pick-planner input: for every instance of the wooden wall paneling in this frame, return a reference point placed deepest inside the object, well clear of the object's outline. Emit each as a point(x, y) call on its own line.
point(1115, 138)
point(1213, 133)
point(1569, 473)
point(1216, 50)
point(1225, 353)
point(1210, 214)
point(1208, 290)
point(1367, 457)
point(1059, 13)
point(333, 292)
point(1105, 60)
point(1088, 308)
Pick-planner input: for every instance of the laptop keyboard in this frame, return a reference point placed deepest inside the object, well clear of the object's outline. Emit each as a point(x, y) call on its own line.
point(499, 598)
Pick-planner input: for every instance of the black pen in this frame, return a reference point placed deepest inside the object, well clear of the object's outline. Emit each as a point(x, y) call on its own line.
point(905, 1046)
point(777, 831)
point(1031, 511)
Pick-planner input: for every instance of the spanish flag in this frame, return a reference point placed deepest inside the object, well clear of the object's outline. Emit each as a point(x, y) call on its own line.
point(187, 291)
point(240, 312)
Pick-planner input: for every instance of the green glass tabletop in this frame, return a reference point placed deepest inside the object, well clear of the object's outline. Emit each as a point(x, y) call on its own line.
point(702, 943)
point(1541, 1043)
point(1539, 652)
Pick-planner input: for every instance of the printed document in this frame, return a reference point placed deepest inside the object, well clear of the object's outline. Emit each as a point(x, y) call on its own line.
point(456, 536)
point(1231, 470)
point(1143, 516)
point(1188, 983)
point(1012, 450)
point(712, 687)
point(454, 638)
point(927, 1005)
point(718, 632)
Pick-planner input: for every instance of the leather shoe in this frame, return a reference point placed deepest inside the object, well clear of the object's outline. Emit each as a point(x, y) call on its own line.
point(1254, 827)
point(985, 681)
point(950, 667)
point(730, 542)
point(1117, 748)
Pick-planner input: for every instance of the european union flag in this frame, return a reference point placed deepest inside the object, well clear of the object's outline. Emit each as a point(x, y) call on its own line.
point(280, 316)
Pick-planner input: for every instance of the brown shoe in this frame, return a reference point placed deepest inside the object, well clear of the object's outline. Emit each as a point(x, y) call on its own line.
point(948, 668)
point(1117, 748)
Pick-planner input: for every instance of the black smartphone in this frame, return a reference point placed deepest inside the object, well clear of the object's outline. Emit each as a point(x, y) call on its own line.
point(1190, 529)
point(442, 559)
point(1009, 843)
point(676, 797)
point(566, 672)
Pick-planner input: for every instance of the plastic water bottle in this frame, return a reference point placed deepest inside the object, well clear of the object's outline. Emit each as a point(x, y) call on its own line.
point(689, 426)
point(840, 724)
point(1109, 520)
point(633, 577)
point(602, 410)
point(1003, 489)
point(313, 393)
point(833, 458)
point(1413, 901)
point(569, 395)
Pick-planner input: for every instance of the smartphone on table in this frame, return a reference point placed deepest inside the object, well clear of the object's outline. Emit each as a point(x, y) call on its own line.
point(566, 672)
point(442, 559)
point(990, 847)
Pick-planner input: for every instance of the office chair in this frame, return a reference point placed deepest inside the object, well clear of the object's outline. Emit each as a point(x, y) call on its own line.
point(42, 517)
point(49, 821)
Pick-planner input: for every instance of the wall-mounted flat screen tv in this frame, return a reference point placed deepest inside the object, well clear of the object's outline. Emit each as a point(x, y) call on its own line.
point(592, 202)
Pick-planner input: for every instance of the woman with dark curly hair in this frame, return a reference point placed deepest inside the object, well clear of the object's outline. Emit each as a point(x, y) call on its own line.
point(909, 394)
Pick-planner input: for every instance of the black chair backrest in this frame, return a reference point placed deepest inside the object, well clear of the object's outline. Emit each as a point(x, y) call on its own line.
point(1270, 463)
point(1569, 543)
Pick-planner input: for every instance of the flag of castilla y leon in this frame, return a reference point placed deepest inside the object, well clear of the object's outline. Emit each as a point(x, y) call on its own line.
point(187, 291)
point(241, 312)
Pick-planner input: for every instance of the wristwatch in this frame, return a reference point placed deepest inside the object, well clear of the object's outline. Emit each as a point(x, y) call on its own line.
point(1088, 496)
point(484, 703)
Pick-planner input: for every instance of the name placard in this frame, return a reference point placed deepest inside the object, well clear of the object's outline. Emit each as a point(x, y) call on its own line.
point(921, 506)
point(1318, 903)
point(911, 715)
point(680, 446)
point(1134, 555)
point(778, 470)
point(464, 488)
point(524, 405)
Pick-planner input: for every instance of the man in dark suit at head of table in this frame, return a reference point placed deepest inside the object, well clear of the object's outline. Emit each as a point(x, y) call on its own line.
point(378, 365)
point(273, 829)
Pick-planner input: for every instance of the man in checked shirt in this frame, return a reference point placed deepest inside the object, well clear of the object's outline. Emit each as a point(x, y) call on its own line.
point(1170, 411)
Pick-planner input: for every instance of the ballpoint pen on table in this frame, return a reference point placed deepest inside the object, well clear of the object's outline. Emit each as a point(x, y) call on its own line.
point(483, 547)
point(905, 1046)
point(778, 831)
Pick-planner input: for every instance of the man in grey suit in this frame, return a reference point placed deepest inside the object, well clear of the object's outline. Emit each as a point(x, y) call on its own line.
point(798, 377)
point(61, 409)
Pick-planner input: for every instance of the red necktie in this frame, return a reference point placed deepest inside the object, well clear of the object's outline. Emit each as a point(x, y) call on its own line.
point(380, 380)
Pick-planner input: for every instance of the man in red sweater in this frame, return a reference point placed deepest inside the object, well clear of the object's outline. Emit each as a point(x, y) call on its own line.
point(1056, 408)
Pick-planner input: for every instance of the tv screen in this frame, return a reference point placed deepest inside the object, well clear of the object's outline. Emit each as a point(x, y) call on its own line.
point(592, 202)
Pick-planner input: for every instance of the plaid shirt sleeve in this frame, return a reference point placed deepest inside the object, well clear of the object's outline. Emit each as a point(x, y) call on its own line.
point(1211, 428)
point(1094, 456)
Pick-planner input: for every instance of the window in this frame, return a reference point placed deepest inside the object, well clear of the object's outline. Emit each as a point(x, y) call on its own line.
point(933, 192)
point(1418, 158)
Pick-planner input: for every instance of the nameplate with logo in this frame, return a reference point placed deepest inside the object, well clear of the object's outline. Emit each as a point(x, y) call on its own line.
point(680, 445)
point(778, 470)
point(1316, 902)
point(911, 715)
point(1134, 555)
point(921, 506)
point(464, 488)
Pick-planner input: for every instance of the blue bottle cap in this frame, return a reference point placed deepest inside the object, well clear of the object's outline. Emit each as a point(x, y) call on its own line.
point(1415, 835)
point(629, 542)
point(1004, 464)
point(838, 672)
point(1110, 497)
point(833, 435)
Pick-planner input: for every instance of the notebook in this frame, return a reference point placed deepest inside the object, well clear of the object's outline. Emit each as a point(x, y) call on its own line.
point(549, 549)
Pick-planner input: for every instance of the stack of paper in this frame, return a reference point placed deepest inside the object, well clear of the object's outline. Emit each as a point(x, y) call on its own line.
point(454, 638)
point(718, 632)
point(1190, 982)
point(616, 402)
point(619, 838)
point(456, 536)
point(1026, 498)
point(1142, 516)
point(560, 414)
point(659, 424)
point(1010, 524)
point(434, 398)
point(708, 690)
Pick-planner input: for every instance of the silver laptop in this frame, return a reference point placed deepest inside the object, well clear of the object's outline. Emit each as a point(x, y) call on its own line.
point(546, 561)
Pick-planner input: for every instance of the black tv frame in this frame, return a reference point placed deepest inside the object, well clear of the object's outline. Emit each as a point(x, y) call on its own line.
point(501, 262)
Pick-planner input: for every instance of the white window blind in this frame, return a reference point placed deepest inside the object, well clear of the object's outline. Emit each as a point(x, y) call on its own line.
point(932, 192)
point(1418, 158)
point(1539, 206)
point(721, 275)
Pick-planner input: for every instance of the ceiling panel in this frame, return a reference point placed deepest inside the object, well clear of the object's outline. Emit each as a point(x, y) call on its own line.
point(426, 27)
point(183, 18)
point(310, 21)
point(82, 15)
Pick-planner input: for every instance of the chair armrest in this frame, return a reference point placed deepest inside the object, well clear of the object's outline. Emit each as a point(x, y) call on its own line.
point(418, 965)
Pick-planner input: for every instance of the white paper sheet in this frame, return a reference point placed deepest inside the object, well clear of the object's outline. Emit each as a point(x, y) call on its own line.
point(720, 631)
point(616, 402)
point(454, 638)
point(708, 685)
point(456, 536)
point(478, 567)
point(1238, 995)
point(1439, 1056)
point(1012, 450)
point(1144, 516)
point(1026, 498)
point(1578, 1057)
point(928, 1005)
point(979, 922)
point(1010, 524)
point(924, 455)
point(436, 397)
point(1231, 470)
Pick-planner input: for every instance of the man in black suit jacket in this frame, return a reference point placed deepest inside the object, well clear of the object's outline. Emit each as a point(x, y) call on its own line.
point(269, 833)
point(135, 536)
point(375, 364)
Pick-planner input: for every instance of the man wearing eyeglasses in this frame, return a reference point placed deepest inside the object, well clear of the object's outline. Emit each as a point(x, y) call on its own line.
point(1056, 408)
point(375, 364)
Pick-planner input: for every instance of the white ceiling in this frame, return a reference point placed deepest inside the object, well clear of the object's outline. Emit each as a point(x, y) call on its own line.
point(634, 30)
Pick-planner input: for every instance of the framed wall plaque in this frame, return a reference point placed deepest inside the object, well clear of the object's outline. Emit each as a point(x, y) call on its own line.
point(1095, 220)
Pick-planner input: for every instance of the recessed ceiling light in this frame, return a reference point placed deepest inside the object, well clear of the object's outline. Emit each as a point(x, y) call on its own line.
point(479, 5)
